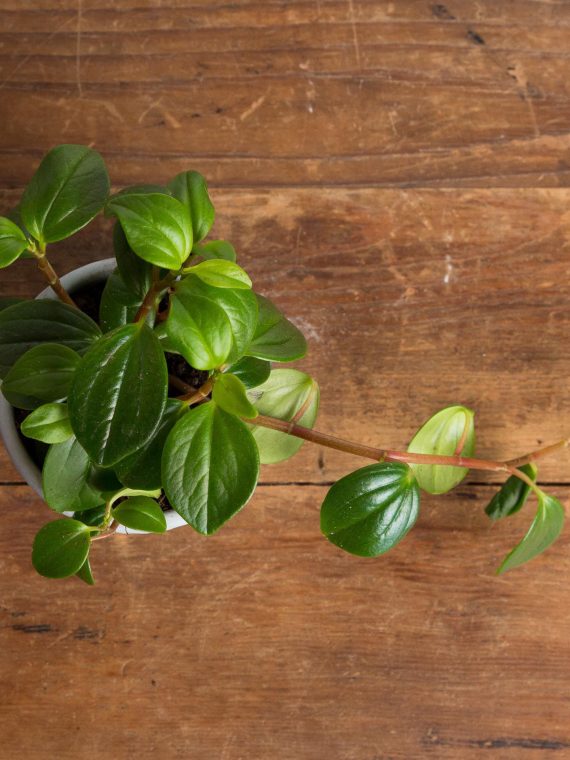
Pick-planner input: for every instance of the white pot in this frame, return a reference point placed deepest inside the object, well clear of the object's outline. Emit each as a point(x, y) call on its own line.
point(97, 271)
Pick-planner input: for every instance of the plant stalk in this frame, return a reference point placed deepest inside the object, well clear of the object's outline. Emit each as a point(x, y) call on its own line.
point(52, 278)
point(155, 290)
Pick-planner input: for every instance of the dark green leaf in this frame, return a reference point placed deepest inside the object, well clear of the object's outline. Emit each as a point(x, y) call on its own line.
point(66, 478)
point(42, 374)
point(140, 513)
point(7, 301)
point(119, 305)
point(49, 424)
point(512, 495)
point(222, 274)
point(441, 435)
point(216, 249)
point(13, 242)
point(288, 395)
point(135, 272)
point(84, 573)
point(544, 530)
point(157, 227)
point(210, 467)
point(119, 393)
point(61, 548)
point(32, 323)
point(93, 517)
point(371, 510)
point(190, 188)
point(275, 337)
point(69, 188)
point(144, 190)
point(230, 393)
point(252, 372)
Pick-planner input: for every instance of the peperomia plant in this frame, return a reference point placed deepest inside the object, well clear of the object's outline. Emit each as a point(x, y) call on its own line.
point(168, 398)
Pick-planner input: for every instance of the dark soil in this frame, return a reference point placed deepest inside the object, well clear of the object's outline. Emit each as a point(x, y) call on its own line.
point(179, 367)
point(89, 298)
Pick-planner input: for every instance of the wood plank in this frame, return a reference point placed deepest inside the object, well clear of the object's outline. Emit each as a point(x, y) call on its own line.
point(411, 301)
point(267, 642)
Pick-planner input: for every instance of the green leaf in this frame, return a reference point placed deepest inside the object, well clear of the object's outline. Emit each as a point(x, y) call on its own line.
point(93, 517)
point(288, 395)
point(135, 273)
point(67, 478)
point(84, 573)
point(544, 530)
point(190, 188)
point(371, 510)
point(210, 467)
point(142, 469)
point(33, 323)
point(512, 495)
point(61, 548)
point(140, 513)
point(119, 393)
point(441, 435)
point(13, 242)
point(48, 423)
point(275, 337)
point(42, 374)
point(157, 227)
point(216, 249)
point(252, 372)
point(222, 274)
point(69, 188)
point(7, 301)
point(231, 394)
point(147, 189)
point(119, 305)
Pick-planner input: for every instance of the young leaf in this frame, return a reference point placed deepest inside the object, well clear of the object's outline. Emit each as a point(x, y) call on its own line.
point(190, 188)
point(544, 530)
point(210, 467)
point(252, 372)
point(42, 374)
point(216, 249)
point(275, 337)
point(48, 423)
point(140, 513)
point(119, 304)
point(222, 274)
point(13, 242)
point(61, 548)
point(157, 227)
point(119, 393)
point(32, 323)
point(371, 510)
point(135, 273)
point(230, 394)
point(512, 495)
point(69, 188)
point(288, 395)
point(67, 478)
point(443, 434)
point(84, 573)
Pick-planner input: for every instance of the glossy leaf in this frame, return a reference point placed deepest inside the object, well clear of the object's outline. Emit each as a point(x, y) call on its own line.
point(84, 573)
point(441, 435)
point(210, 467)
point(61, 548)
point(369, 511)
point(288, 395)
point(222, 274)
point(67, 478)
point(544, 530)
point(42, 374)
point(32, 323)
point(276, 338)
point(231, 394)
point(136, 273)
point(93, 517)
point(48, 423)
point(13, 242)
point(119, 393)
point(69, 188)
point(512, 496)
point(216, 249)
point(119, 305)
point(140, 513)
point(157, 227)
point(251, 371)
point(190, 188)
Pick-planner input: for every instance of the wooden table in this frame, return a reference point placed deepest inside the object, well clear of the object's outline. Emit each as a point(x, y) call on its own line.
point(394, 175)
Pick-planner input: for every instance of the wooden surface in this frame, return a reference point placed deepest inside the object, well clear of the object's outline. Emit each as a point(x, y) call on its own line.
point(394, 175)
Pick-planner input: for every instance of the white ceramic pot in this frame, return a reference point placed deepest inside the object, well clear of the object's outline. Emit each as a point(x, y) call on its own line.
point(97, 271)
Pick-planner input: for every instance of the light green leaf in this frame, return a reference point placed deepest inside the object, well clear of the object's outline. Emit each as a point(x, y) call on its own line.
point(210, 467)
point(42, 374)
point(251, 371)
point(230, 394)
point(69, 188)
point(216, 249)
point(13, 242)
point(84, 573)
point(512, 495)
point(61, 548)
point(190, 188)
point(369, 511)
point(48, 423)
point(67, 478)
point(140, 513)
point(442, 434)
point(275, 338)
point(222, 274)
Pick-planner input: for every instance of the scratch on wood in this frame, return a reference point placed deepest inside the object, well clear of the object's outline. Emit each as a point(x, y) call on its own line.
point(354, 33)
point(252, 108)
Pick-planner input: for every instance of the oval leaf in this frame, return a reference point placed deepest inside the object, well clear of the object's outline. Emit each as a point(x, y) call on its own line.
point(450, 431)
point(512, 495)
point(231, 394)
point(42, 374)
point(222, 274)
point(84, 573)
point(67, 478)
point(13, 242)
point(210, 467)
point(61, 548)
point(140, 513)
point(69, 188)
point(251, 371)
point(49, 424)
point(119, 305)
point(119, 393)
point(190, 188)
point(371, 510)
point(275, 337)
point(135, 273)
point(216, 249)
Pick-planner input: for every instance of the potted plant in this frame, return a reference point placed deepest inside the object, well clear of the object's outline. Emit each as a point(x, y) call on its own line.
point(146, 391)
